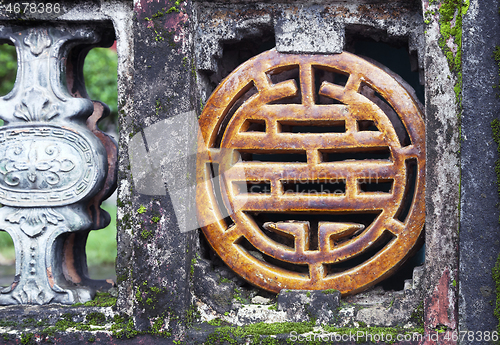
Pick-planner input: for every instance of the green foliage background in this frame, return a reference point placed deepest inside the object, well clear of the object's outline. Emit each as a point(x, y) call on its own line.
point(8, 68)
point(100, 72)
point(100, 76)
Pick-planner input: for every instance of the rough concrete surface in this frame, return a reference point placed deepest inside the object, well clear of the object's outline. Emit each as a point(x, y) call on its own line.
point(308, 31)
point(479, 228)
point(158, 59)
point(301, 305)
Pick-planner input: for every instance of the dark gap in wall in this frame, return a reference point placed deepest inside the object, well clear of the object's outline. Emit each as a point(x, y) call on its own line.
point(253, 187)
point(367, 125)
point(376, 185)
point(391, 52)
point(312, 126)
point(236, 53)
point(253, 126)
point(215, 177)
point(313, 235)
point(396, 282)
point(262, 156)
point(284, 74)
point(294, 268)
point(324, 74)
point(369, 253)
point(373, 153)
point(206, 251)
point(314, 187)
point(411, 180)
point(248, 91)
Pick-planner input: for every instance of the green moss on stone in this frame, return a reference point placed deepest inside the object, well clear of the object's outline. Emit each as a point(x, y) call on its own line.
point(124, 328)
point(27, 338)
point(192, 315)
point(193, 262)
point(273, 307)
point(225, 280)
point(496, 56)
point(451, 14)
point(418, 315)
point(7, 323)
point(95, 318)
point(102, 299)
point(495, 126)
point(215, 322)
point(174, 8)
point(329, 291)
point(145, 234)
point(496, 278)
point(234, 334)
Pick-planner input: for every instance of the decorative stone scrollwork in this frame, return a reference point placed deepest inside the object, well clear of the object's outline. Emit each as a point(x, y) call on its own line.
point(35, 106)
point(54, 170)
point(37, 40)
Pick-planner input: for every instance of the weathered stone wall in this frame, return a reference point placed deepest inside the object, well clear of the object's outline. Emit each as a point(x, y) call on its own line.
point(479, 242)
point(171, 286)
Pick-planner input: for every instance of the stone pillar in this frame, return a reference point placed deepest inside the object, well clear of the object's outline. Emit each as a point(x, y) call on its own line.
point(442, 178)
point(54, 168)
point(479, 228)
point(158, 143)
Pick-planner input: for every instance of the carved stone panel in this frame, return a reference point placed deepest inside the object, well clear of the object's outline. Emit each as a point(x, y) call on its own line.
point(52, 165)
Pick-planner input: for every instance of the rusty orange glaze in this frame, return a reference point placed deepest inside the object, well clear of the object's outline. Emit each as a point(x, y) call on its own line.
point(225, 142)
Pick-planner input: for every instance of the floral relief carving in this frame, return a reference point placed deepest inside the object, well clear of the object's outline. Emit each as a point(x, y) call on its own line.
point(32, 293)
point(33, 221)
point(44, 168)
point(36, 106)
point(37, 40)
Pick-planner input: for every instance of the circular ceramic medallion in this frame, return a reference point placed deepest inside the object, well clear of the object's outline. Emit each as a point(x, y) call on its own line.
point(311, 172)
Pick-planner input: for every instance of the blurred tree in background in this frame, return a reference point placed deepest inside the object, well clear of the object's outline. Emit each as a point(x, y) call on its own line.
point(100, 80)
point(8, 68)
point(100, 72)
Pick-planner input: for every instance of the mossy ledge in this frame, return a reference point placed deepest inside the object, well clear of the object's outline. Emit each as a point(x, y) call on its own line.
point(302, 333)
point(101, 324)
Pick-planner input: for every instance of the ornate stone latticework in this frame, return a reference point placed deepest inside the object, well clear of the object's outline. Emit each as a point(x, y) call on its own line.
point(55, 165)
